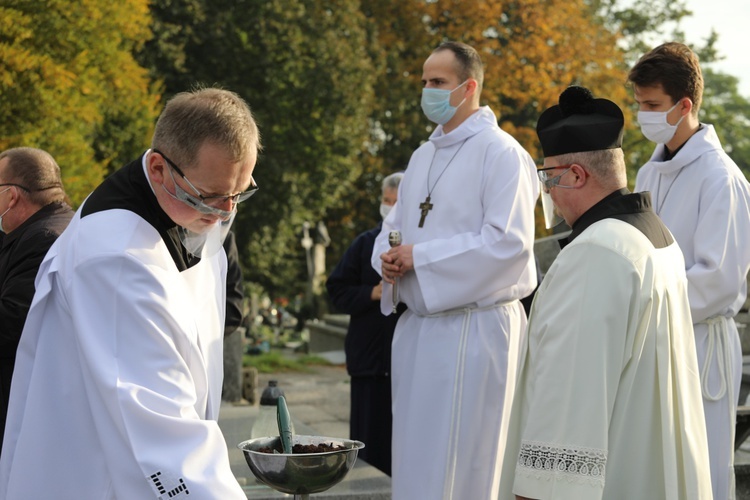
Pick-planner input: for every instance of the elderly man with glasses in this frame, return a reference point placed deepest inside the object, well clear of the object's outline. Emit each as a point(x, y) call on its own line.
point(121, 355)
point(608, 401)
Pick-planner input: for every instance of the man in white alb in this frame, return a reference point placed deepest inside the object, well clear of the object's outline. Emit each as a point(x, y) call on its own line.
point(117, 384)
point(465, 211)
point(608, 401)
point(704, 199)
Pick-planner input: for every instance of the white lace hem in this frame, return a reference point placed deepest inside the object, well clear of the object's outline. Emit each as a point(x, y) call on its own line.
point(552, 462)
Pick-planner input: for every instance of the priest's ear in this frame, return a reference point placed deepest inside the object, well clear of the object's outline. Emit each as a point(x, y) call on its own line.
point(156, 166)
point(579, 176)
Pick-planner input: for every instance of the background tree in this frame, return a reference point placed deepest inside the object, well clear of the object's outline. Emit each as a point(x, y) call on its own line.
point(729, 111)
point(526, 46)
point(305, 68)
point(70, 85)
point(335, 87)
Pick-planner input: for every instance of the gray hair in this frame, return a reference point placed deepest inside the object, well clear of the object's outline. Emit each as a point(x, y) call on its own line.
point(393, 180)
point(36, 172)
point(607, 166)
point(216, 116)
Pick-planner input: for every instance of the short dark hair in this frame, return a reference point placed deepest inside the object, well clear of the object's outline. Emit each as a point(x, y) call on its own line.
point(37, 172)
point(676, 67)
point(469, 63)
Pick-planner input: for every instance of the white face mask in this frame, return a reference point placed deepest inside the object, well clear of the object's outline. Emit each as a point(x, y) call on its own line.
point(655, 127)
point(385, 210)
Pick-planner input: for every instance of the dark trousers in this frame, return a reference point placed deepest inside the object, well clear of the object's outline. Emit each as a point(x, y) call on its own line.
point(371, 421)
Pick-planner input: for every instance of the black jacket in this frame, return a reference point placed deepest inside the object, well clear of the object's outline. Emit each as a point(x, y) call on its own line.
point(235, 286)
point(368, 340)
point(21, 253)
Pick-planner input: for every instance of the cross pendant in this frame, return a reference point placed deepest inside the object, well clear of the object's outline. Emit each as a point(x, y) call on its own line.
point(426, 206)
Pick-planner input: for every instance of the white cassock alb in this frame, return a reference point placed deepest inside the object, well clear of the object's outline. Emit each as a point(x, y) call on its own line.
point(608, 402)
point(118, 379)
point(704, 199)
point(455, 349)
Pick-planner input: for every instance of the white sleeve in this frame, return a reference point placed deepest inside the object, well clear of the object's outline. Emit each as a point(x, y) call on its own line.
point(721, 249)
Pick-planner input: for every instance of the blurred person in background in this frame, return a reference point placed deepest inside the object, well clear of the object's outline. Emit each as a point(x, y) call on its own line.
point(355, 289)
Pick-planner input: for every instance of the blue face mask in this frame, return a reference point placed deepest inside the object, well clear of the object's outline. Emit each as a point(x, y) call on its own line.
point(436, 104)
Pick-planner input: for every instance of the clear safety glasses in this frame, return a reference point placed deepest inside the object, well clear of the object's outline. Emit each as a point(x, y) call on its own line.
point(206, 204)
point(550, 182)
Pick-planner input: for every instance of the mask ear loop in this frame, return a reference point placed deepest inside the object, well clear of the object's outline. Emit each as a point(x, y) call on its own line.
point(681, 115)
point(464, 99)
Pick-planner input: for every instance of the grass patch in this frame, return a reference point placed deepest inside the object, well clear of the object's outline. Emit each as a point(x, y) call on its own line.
point(274, 362)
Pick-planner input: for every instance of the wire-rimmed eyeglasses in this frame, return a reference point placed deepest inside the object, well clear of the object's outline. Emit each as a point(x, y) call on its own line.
point(206, 204)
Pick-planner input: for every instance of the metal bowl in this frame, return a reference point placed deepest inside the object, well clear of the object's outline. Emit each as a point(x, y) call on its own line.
point(300, 473)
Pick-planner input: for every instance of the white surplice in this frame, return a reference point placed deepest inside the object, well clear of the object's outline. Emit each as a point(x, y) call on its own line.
point(455, 349)
point(608, 403)
point(704, 199)
point(118, 378)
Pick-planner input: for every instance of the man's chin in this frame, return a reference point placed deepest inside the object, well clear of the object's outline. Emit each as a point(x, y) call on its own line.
point(202, 225)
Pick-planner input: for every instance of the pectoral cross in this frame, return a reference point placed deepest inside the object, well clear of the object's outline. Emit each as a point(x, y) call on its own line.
point(426, 206)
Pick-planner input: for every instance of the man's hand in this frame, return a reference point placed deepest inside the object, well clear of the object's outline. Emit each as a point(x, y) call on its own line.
point(396, 262)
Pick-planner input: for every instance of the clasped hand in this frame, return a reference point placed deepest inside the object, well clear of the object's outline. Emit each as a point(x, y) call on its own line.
point(396, 262)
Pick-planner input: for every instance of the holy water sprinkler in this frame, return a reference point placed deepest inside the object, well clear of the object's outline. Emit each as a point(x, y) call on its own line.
point(284, 421)
point(394, 239)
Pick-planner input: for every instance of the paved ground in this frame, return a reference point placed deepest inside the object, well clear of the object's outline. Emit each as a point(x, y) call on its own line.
point(320, 398)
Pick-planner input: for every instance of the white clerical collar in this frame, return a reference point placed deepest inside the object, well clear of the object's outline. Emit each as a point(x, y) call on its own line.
point(701, 142)
point(478, 121)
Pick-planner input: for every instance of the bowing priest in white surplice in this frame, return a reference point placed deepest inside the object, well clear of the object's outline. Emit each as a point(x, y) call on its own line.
point(118, 378)
point(465, 211)
point(608, 403)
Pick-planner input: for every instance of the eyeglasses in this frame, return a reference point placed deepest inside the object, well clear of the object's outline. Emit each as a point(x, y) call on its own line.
point(550, 182)
point(205, 204)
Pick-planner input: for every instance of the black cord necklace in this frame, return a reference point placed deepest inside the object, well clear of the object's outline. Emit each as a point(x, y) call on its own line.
point(426, 206)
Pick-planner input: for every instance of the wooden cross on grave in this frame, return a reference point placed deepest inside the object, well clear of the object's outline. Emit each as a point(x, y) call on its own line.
point(426, 206)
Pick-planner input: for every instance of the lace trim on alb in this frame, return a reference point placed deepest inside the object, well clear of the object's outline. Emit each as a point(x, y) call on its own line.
point(548, 461)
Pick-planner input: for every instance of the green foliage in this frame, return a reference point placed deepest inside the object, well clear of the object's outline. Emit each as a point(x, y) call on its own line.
point(275, 362)
point(69, 84)
point(335, 87)
point(728, 111)
point(304, 68)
